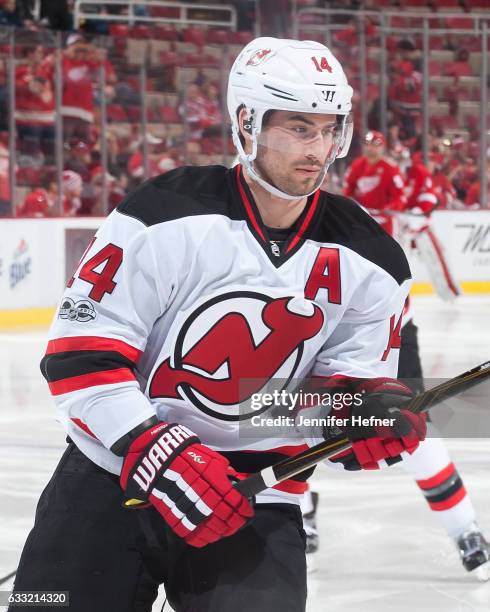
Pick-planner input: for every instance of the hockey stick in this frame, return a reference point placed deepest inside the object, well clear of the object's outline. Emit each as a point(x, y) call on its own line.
point(7, 577)
point(287, 468)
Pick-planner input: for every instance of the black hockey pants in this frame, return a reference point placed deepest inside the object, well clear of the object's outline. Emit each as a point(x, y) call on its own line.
point(111, 559)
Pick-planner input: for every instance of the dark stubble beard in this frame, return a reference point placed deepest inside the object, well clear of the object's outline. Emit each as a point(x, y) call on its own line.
point(298, 187)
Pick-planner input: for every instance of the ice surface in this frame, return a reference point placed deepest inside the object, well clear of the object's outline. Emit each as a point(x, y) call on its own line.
point(381, 548)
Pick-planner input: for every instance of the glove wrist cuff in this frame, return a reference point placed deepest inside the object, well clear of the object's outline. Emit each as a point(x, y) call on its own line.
point(150, 455)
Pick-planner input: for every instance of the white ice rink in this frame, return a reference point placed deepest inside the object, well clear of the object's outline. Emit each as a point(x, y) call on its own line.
point(381, 548)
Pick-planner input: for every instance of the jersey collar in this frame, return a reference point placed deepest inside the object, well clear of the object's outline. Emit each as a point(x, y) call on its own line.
point(259, 230)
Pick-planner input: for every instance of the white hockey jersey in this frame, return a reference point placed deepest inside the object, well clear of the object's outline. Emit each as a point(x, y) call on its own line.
point(180, 296)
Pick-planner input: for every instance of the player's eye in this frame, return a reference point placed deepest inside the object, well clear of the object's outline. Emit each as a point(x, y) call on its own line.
point(329, 131)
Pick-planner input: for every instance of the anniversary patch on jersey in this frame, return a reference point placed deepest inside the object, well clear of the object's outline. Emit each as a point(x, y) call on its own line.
point(231, 346)
point(81, 311)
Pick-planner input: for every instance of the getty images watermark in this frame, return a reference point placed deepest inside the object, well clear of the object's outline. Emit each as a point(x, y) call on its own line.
point(296, 408)
point(281, 408)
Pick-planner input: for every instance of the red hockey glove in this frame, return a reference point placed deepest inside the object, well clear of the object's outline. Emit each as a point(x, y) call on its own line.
point(383, 398)
point(188, 483)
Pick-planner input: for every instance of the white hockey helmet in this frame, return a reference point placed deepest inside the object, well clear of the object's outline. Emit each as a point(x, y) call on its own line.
point(289, 75)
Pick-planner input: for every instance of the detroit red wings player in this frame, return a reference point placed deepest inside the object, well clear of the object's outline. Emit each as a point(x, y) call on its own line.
point(376, 181)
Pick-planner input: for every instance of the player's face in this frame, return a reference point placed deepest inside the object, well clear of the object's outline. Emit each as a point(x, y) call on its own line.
point(373, 151)
point(293, 149)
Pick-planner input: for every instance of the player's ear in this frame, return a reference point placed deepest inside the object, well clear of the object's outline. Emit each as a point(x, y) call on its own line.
point(245, 127)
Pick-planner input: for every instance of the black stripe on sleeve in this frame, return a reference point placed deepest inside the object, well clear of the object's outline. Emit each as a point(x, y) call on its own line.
point(59, 366)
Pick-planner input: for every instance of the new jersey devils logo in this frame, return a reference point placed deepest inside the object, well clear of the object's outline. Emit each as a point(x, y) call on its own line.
point(231, 346)
point(258, 57)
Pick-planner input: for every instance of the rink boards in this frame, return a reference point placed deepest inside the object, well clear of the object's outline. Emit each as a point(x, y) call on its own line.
point(37, 256)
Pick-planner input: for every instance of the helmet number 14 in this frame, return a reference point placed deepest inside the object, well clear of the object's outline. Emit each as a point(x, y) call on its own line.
point(321, 64)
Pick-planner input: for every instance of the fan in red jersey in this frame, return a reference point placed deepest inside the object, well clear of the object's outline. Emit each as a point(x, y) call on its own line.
point(36, 204)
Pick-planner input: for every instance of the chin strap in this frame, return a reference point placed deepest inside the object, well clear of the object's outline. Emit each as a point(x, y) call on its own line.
point(274, 190)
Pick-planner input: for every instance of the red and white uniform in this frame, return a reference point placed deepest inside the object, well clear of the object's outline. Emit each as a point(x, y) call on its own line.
point(377, 187)
point(78, 94)
point(419, 191)
point(181, 296)
point(444, 189)
point(36, 204)
point(34, 106)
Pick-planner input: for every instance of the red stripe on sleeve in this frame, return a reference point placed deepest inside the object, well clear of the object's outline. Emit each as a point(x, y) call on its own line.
point(438, 479)
point(85, 427)
point(450, 502)
point(93, 343)
point(75, 383)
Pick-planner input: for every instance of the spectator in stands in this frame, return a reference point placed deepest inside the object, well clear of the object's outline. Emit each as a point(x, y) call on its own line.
point(82, 159)
point(79, 67)
point(72, 190)
point(4, 115)
point(405, 96)
point(10, 14)
point(35, 205)
point(212, 118)
point(79, 159)
point(160, 160)
point(193, 153)
point(40, 202)
point(117, 158)
point(393, 141)
point(5, 205)
point(463, 176)
point(461, 65)
point(56, 14)
point(473, 197)
point(101, 181)
point(452, 95)
point(35, 104)
point(348, 37)
point(406, 51)
point(192, 109)
point(446, 194)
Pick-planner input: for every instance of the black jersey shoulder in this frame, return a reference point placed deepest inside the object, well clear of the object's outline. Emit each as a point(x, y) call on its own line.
point(342, 221)
point(183, 192)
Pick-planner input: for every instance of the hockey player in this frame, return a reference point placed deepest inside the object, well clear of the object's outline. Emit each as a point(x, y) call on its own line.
point(201, 279)
point(376, 181)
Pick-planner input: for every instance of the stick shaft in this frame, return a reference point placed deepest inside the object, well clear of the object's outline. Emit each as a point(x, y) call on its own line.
point(292, 466)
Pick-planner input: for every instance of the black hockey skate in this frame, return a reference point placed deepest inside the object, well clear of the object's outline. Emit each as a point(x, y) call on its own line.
point(309, 525)
point(474, 551)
